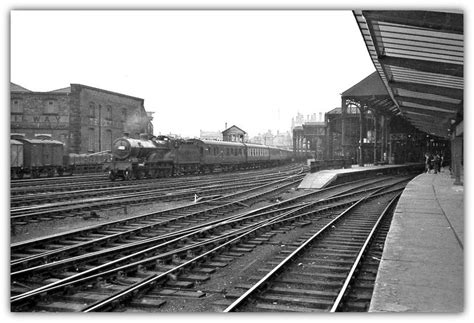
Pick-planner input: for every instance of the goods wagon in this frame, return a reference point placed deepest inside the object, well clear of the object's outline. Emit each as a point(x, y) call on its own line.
point(16, 158)
point(41, 155)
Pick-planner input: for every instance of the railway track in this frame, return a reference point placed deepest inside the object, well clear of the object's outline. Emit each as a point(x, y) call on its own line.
point(181, 253)
point(320, 275)
point(159, 188)
point(71, 183)
point(45, 212)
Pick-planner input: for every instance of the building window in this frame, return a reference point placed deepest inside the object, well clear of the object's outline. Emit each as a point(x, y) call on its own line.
point(17, 106)
point(108, 138)
point(91, 137)
point(92, 110)
point(124, 115)
point(51, 107)
point(63, 138)
point(108, 116)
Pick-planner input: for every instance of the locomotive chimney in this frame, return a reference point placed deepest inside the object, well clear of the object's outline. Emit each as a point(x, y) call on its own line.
point(144, 136)
point(126, 134)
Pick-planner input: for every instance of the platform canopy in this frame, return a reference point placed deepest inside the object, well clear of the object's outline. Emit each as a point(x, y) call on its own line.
point(419, 55)
point(371, 93)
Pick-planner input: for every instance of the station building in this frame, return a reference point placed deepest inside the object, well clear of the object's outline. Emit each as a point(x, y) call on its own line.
point(84, 118)
point(410, 106)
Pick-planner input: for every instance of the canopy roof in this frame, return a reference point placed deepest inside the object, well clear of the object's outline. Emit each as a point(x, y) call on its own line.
point(419, 56)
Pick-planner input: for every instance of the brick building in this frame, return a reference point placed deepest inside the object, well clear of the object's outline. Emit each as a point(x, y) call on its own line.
point(84, 118)
point(234, 134)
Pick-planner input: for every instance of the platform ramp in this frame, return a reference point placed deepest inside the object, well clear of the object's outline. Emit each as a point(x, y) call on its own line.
point(324, 178)
point(318, 180)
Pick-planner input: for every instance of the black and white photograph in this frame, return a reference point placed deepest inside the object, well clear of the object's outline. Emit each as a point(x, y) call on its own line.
point(200, 159)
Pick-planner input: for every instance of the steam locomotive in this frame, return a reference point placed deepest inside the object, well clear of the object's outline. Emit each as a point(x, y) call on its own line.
point(164, 156)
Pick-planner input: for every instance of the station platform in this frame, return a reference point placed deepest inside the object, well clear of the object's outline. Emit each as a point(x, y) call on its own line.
point(422, 266)
point(324, 178)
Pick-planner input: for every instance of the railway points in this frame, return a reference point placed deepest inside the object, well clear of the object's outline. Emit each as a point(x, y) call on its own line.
point(362, 212)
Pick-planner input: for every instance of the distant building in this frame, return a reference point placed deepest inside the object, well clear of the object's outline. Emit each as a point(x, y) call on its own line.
point(281, 140)
point(84, 118)
point(210, 135)
point(234, 134)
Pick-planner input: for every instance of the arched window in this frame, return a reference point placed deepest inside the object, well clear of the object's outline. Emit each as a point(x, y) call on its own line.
point(108, 115)
point(91, 140)
point(92, 109)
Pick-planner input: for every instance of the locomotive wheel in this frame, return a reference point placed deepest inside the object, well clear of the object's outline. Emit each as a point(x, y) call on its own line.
point(112, 176)
point(19, 175)
point(127, 176)
point(139, 174)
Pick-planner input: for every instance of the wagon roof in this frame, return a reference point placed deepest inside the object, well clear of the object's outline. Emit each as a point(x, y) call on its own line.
point(15, 142)
point(41, 141)
point(218, 143)
point(256, 145)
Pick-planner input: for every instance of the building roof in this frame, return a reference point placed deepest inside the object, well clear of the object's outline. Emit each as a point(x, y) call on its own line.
point(419, 56)
point(235, 127)
point(16, 88)
point(335, 111)
point(63, 90)
point(372, 85)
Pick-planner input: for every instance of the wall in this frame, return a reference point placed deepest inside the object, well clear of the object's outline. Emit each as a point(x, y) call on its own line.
point(40, 113)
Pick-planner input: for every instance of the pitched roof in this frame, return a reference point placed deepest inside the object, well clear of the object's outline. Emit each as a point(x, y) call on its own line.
point(234, 126)
point(63, 90)
point(372, 85)
point(16, 88)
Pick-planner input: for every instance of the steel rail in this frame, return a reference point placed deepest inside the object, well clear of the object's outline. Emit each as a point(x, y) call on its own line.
point(363, 250)
point(263, 281)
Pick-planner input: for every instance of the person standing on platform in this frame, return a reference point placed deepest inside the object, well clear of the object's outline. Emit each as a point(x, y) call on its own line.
point(427, 163)
point(436, 162)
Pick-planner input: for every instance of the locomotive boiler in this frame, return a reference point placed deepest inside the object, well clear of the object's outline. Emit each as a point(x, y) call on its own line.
point(145, 157)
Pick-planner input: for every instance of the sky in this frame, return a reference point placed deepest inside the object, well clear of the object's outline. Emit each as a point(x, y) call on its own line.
point(196, 69)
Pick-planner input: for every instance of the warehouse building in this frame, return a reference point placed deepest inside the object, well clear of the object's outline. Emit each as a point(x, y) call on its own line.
point(84, 118)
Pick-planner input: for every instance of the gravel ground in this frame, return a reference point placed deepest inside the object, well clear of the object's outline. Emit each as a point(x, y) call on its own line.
point(55, 226)
point(223, 280)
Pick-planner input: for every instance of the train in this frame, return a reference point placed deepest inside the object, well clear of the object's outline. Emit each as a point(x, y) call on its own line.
point(164, 156)
point(43, 155)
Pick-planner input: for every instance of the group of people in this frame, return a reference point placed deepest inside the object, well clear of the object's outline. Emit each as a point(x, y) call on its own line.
point(433, 162)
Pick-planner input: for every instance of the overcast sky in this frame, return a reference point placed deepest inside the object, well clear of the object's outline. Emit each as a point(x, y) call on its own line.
point(197, 70)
